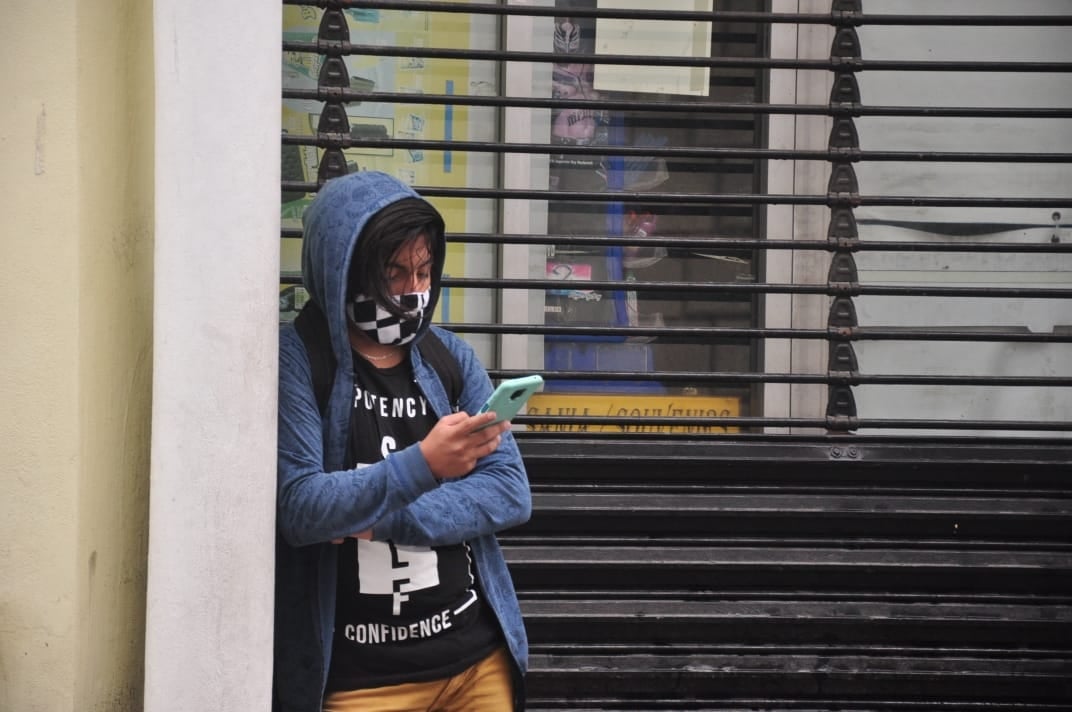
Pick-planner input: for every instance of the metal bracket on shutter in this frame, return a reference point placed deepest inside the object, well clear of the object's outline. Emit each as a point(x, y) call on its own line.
point(841, 409)
point(843, 189)
point(845, 96)
point(333, 120)
point(843, 361)
point(846, 11)
point(843, 193)
point(842, 322)
point(333, 27)
point(333, 77)
point(846, 44)
point(842, 274)
point(842, 230)
point(334, 74)
point(842, 367)
point(842, 314)
point(844, 140)
point(332, 165)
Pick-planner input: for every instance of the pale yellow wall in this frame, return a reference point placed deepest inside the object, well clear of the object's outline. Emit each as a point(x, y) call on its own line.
point(76, 121)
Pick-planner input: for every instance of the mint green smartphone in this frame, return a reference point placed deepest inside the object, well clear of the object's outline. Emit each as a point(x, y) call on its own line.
point(508, 398)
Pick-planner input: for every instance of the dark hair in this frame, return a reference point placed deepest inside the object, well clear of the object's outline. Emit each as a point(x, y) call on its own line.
point(383, 236)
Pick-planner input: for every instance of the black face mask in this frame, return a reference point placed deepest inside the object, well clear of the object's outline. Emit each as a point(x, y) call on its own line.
point(382, 326)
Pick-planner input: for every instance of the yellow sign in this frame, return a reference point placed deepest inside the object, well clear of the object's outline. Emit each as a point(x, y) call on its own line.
point(624, 405)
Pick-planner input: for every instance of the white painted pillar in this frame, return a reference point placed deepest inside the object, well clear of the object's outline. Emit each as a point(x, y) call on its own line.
point(525, 172)
point(800, 222)
point(781, 180)
point(212, 501)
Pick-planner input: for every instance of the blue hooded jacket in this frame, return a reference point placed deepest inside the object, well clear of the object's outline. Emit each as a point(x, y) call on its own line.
point(319, 498)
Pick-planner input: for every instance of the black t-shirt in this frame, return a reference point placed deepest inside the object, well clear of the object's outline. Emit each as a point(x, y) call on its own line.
point(403, 613)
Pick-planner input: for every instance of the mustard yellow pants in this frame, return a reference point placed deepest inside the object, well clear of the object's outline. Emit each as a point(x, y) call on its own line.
point(483, 687)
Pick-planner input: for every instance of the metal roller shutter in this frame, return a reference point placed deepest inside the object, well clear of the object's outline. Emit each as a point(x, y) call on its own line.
point(805, 439)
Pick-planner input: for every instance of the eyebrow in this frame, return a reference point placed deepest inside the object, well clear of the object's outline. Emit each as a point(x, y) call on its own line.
point(394, 264)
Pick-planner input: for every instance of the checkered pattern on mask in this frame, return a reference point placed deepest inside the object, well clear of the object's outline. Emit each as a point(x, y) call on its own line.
point(382, 326)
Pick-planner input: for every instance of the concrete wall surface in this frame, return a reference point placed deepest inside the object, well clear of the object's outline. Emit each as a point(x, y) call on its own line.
point(216, 327)
point(76, 132)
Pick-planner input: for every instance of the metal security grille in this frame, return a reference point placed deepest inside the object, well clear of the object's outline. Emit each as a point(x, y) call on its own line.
point(882, 518)
point(725, 193)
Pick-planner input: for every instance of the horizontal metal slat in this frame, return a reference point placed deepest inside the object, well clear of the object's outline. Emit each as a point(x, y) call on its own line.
point(789, 558)
point(600, 703)
point(708, 333)
point(786, 568)
point(674, 153)
point(578, 621)
point(711, 199)
point(844, 378)
point(646, 503)
point(688, 107)
point(799, 676)
point(340, 48)
point(716, 243)
point(872, 462)
point(839, 18)
point(797, 516)
point(853, 289)
point(719, 426)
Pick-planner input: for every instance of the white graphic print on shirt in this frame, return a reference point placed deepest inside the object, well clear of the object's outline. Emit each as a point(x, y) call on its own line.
point(388, 569)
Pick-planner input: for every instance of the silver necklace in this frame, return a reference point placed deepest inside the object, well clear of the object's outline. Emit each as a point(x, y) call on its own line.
point(368, 357)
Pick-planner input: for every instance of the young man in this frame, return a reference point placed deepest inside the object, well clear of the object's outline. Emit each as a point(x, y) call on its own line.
point(391, 590)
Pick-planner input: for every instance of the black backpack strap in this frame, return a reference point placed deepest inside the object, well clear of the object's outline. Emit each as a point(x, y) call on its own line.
point(439, 357)
point(312, 327)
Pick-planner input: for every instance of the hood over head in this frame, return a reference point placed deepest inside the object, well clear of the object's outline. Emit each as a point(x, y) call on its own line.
point(332, 227)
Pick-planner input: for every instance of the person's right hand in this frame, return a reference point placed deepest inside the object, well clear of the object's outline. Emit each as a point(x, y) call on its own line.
point(457, 441)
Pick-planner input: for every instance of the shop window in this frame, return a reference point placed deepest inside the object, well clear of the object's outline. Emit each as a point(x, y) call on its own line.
point(606, 190)
point(633, 216)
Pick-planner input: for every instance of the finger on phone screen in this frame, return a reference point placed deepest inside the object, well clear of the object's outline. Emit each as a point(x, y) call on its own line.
point(483, 420)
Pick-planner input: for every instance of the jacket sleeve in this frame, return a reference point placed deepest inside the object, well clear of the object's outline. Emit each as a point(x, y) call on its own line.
point(493, 497)
point(314, 506)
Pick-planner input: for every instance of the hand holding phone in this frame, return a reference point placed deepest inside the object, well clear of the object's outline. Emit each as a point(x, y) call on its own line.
point(510, 396)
